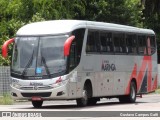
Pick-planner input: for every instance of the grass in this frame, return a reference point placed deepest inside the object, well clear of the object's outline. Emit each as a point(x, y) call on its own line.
point(158, 91)
point(6, 99)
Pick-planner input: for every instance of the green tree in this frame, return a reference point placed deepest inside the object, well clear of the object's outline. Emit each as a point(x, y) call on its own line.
point(151, 18)
point(126, 12)
point(16, 13)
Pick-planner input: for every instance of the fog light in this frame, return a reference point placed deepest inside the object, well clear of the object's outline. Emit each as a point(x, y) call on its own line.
point(14, 94)
point(60, 93)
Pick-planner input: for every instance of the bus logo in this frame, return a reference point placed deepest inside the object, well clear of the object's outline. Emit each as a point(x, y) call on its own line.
point(35, 87)
point(36, 84)
point(106, 66)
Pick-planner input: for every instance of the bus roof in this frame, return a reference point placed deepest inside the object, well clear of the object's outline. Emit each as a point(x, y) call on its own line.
point(55, 27)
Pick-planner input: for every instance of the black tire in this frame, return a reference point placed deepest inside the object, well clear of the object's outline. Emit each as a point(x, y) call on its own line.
point(37, 104)
point(133, 91)
point(82, 102)
point(131, 98)
point(92, 101)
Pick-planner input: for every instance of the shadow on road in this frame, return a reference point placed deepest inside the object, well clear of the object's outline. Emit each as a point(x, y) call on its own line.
point(75, 107)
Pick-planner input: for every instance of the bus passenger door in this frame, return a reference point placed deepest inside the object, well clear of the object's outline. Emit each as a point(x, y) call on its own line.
point(75, 84)
point(72, 70)
point(75, 59)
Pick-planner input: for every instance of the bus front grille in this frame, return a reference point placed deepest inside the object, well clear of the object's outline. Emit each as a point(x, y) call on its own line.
point(44, 94)
point(37, 87)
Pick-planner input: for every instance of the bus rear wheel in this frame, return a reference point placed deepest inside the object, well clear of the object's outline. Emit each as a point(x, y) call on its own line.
point(37, 104)
point(131, 98)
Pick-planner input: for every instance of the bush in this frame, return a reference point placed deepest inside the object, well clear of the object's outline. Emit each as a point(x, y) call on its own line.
point(6, 99)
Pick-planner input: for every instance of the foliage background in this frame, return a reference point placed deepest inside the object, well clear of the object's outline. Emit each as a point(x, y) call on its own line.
point(16, 13)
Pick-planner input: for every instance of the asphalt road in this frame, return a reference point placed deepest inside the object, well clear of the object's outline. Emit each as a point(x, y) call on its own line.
point(149, 103)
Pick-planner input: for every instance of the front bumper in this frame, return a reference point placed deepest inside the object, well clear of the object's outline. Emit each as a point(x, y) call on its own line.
point(58, 93)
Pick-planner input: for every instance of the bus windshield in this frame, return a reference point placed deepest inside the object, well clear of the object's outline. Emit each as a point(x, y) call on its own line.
point(39, 56)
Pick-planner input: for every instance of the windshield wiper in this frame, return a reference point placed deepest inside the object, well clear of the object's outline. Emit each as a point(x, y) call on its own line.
point(46, 67)
point(28, 64)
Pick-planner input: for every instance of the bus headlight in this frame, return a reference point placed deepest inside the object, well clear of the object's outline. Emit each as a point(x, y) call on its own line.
point(16, 85)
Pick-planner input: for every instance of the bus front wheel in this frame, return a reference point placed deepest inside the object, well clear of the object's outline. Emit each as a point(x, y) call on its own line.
point(37, 104)
point(93, 101)
point(81, 102)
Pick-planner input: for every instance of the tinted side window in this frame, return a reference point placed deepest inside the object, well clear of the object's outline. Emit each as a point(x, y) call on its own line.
point(76, 49)
point(73, 57)
point(131, 44)
point(119, 43)
point(106, 42)
point(79, 36)
point(153, 41)
point(151, 45)
point(142, 45)
point(93, 42)
point(103, 42)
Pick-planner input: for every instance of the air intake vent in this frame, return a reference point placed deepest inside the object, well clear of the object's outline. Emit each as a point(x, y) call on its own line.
point(44, 94)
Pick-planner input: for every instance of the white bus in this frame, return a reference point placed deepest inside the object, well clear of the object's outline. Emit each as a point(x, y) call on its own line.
point(82, 61)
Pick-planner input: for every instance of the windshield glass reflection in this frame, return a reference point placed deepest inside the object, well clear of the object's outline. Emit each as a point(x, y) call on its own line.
point(39, 55)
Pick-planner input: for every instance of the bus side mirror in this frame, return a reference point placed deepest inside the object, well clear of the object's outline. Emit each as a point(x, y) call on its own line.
point(5, 47)
point(67, 45)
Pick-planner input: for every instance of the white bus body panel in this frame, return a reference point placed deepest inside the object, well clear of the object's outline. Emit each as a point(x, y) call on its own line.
point(104, 83)
point(69, 88)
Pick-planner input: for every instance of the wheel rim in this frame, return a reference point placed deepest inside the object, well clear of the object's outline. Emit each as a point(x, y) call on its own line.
point(85, 95)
